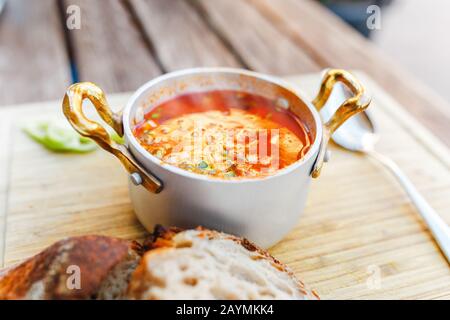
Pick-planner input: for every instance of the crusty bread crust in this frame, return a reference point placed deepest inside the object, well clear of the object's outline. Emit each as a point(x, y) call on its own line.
point(44, 276)
point(163, 240)
point(106, 264)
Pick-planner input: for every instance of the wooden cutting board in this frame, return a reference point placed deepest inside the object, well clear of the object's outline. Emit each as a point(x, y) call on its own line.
point(359, 238)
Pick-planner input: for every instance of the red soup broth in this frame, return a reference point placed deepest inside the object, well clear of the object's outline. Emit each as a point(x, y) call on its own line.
point(224, 134)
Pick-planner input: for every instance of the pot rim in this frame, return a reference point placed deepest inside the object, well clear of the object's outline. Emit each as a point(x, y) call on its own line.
point(131, 139)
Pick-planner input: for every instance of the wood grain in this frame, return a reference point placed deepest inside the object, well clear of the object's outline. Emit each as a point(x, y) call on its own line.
point(254, 38)
point(332, 43)
point(337, 245)
point(5, 162)
point(357, 221)
point(33, 61)
point(180, 37)
point(109, 49)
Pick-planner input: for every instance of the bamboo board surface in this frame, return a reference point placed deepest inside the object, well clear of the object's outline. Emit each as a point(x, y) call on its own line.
point(359, 237)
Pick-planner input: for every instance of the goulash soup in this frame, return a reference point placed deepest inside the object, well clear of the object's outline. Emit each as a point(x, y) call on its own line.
point(224, 134)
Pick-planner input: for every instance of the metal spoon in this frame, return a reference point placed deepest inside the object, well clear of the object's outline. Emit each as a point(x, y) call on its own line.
point(359, 134)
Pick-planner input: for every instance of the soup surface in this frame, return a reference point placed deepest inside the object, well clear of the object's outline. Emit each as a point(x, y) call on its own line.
point(224, 134)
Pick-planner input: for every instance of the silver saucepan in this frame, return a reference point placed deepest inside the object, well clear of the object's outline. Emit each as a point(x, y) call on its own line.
point(262, 209)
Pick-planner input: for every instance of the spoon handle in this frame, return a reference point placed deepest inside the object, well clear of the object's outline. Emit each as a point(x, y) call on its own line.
point(437, 226)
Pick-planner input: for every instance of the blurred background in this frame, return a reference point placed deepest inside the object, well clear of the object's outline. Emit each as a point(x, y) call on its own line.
point(412, 32)
point(120, 44)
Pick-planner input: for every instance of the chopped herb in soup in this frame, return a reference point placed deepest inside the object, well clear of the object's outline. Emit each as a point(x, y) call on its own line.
point(225, 134)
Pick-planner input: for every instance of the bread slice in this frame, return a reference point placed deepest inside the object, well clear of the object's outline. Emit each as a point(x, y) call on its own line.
point(104, 266)
point(205, 264)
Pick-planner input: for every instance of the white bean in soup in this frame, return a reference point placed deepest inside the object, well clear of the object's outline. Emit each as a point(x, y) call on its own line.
point(224, 134)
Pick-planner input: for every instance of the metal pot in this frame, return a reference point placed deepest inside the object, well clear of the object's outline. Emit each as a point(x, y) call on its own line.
point(262, 209)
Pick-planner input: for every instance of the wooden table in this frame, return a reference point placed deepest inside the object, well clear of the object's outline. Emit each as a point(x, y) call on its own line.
point(122, 44)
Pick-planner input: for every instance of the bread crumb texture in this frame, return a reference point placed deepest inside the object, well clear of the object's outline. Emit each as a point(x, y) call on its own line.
point(205, 264)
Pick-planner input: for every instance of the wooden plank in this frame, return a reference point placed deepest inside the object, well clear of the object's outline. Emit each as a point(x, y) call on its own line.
point(332, 43)
point(252, 36)
point(357, 217)
point(180, 37)
point(335, 255)
point(109, 48)
point(33, 60)
point(57, 206)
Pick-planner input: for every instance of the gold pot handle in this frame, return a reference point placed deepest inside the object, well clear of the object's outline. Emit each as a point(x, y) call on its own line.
point(73, 110)
point(353, 105)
